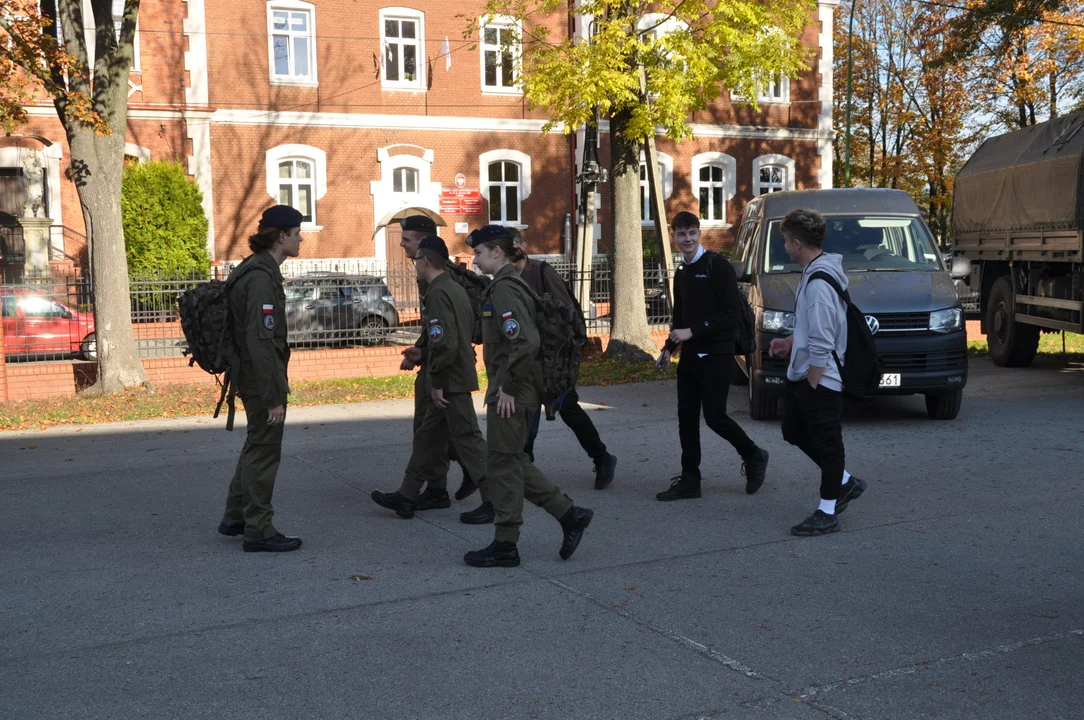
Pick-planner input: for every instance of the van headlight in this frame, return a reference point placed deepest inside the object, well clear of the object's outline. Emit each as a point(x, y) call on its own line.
point(776, 321)
point(944, 321)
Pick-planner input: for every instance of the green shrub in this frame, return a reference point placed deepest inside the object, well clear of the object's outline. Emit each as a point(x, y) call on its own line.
point(165, 229)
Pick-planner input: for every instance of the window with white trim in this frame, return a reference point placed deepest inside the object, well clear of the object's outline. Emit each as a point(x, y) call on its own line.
point(771, 178)
point(776, 89)
point(118, 20)
point(297, 187)
point(504, 192)
point(645, 193)
point(714, 184)
point(117, 10)
point(404, 180)
point(403, 48)
point(291, 28)
point(501, 50)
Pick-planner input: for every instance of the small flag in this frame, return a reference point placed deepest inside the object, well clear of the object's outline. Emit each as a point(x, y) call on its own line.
point(446, 51)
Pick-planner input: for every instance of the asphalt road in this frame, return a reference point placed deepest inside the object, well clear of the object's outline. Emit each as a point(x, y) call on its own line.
point(954, 591)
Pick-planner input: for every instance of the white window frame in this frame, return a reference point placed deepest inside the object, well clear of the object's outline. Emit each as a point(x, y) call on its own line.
point(311, 154)
point(778, 160)
point(289, 6)
point(296, 182)
point(89, 30)
point(765, 96)
point(402, 13)
point(407, 170)
point(118, 19)
point(505, 155)
point(730, 183)
point(501, 22)
point(667, 163)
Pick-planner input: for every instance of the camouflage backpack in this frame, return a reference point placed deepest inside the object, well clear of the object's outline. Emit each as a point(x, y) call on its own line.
point(563, 336)
point(475, 285)
point(208, 331)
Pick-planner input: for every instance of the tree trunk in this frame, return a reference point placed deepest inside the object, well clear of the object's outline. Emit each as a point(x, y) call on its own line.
point(630, 335)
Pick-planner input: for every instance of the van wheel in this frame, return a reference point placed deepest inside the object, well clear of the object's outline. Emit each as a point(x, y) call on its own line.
point(88, 349)
point(762, 405)
point(1011, 344)
point(944, 407)
point(737, 375)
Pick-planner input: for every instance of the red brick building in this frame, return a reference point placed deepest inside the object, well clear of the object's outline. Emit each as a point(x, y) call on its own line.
point(349, 110)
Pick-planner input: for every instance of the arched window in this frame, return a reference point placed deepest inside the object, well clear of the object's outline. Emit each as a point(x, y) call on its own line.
point(404, 180)
point(772, 173)
point(504, 192)
point(713, 185)
point(297, 187)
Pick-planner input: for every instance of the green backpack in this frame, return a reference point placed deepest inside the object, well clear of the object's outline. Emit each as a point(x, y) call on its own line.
point(563, 337)
point(476, 286)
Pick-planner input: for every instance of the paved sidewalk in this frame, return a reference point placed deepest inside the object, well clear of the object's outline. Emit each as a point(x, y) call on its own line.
point(954, 591)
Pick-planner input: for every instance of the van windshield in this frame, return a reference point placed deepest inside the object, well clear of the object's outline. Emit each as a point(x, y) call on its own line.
point(866, 243)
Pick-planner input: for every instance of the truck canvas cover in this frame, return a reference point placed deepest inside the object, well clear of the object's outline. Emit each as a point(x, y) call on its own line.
point(1024, 180)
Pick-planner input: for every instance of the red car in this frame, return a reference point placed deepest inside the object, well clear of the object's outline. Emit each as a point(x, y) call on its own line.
point(37, 324)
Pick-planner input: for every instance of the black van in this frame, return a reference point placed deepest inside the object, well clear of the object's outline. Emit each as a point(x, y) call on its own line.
point(897, 276)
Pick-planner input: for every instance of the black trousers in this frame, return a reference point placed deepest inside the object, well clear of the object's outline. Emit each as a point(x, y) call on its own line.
point(704, 383)
point(812, 421)
point(577, 419)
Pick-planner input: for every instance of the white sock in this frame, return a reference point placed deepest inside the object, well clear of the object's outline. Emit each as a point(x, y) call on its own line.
point(846, 477)
point(828, 507)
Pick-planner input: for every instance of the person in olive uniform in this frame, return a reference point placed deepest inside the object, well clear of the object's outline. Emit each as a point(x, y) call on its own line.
point(511, 348)
point(450, 373)
point(415, 228)
point(258, 371)
point(542, 278)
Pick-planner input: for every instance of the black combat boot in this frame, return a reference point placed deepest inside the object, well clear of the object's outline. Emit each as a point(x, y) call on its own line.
point(481, 515)
point(231, 529)
point(432, 499)
point(604, 471)
point(497, 554)
point(394, 501)
point(276, 543)
point(573, 523)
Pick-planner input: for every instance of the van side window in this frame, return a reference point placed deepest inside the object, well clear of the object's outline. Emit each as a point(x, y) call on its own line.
point(35, 306)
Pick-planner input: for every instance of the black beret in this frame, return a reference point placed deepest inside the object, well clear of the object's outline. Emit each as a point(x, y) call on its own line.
point(489, 234)
point(434, 244)
point(281, 216)
point(419, 223)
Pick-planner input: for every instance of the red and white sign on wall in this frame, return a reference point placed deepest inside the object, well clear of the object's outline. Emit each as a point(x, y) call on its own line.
point(460, 200)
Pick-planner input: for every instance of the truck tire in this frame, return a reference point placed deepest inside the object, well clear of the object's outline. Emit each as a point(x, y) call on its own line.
point(762, 405)
point(944, 407)
point(88, 349)
point(1012, 344)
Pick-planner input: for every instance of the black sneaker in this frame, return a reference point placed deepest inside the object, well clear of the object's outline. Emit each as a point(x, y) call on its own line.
point(573, 523)
point(481, 515)
point(604, 471)
point(497, 554)
point(819, 523)
point(276, 543)
point(432, 500)
point(394, 501)
point(231, 529)
point(851, 491)
point(754, 469)
point(466, 488)
point(681, 488)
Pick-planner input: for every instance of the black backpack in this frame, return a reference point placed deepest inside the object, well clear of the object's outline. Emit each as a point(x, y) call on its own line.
point(745, 333)
point(862, 372)
point(208, 330)
point(475, 285)
point(562, 334)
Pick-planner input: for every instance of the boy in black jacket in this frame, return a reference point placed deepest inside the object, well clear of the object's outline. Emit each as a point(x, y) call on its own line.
point(706, 311)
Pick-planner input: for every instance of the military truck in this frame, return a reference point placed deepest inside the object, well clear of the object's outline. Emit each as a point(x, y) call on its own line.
point(1018, 217)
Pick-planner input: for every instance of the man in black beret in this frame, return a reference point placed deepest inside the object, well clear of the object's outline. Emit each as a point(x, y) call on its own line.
point(451, 376)
point(258, 314)
point(415, 229)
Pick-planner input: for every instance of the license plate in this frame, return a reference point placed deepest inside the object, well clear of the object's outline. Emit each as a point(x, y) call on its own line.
point(890, 380)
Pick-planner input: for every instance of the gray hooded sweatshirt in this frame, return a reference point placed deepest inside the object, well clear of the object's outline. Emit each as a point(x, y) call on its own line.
point(820, 324)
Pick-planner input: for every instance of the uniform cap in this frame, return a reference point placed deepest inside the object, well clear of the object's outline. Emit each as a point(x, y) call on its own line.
point(434, 248)
point(418, 223)
point(498, 235)
point(281, 216)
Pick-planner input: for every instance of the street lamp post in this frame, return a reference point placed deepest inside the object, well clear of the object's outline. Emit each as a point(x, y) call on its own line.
point(850, 75)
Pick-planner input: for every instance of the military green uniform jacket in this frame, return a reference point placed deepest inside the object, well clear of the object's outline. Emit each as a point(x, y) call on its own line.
point(258, 310)
point(423, 290)
point(511, 338)
point(450, 319)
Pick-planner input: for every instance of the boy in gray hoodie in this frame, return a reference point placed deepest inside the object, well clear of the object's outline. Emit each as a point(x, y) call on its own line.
point(813, 405)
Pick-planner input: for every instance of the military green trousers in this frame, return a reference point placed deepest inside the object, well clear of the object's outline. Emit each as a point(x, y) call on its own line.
point(511, 477)
point(456, 426)
point(422, 403)
point(249, 496)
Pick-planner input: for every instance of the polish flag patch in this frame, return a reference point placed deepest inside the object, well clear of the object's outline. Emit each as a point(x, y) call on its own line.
point(268, 309)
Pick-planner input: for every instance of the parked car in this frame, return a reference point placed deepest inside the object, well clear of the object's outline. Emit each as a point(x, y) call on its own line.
point(38, 324)
point(333, 308)
point(897, 276)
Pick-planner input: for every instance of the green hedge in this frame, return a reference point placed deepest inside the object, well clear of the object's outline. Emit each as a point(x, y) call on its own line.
point(165, 229)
